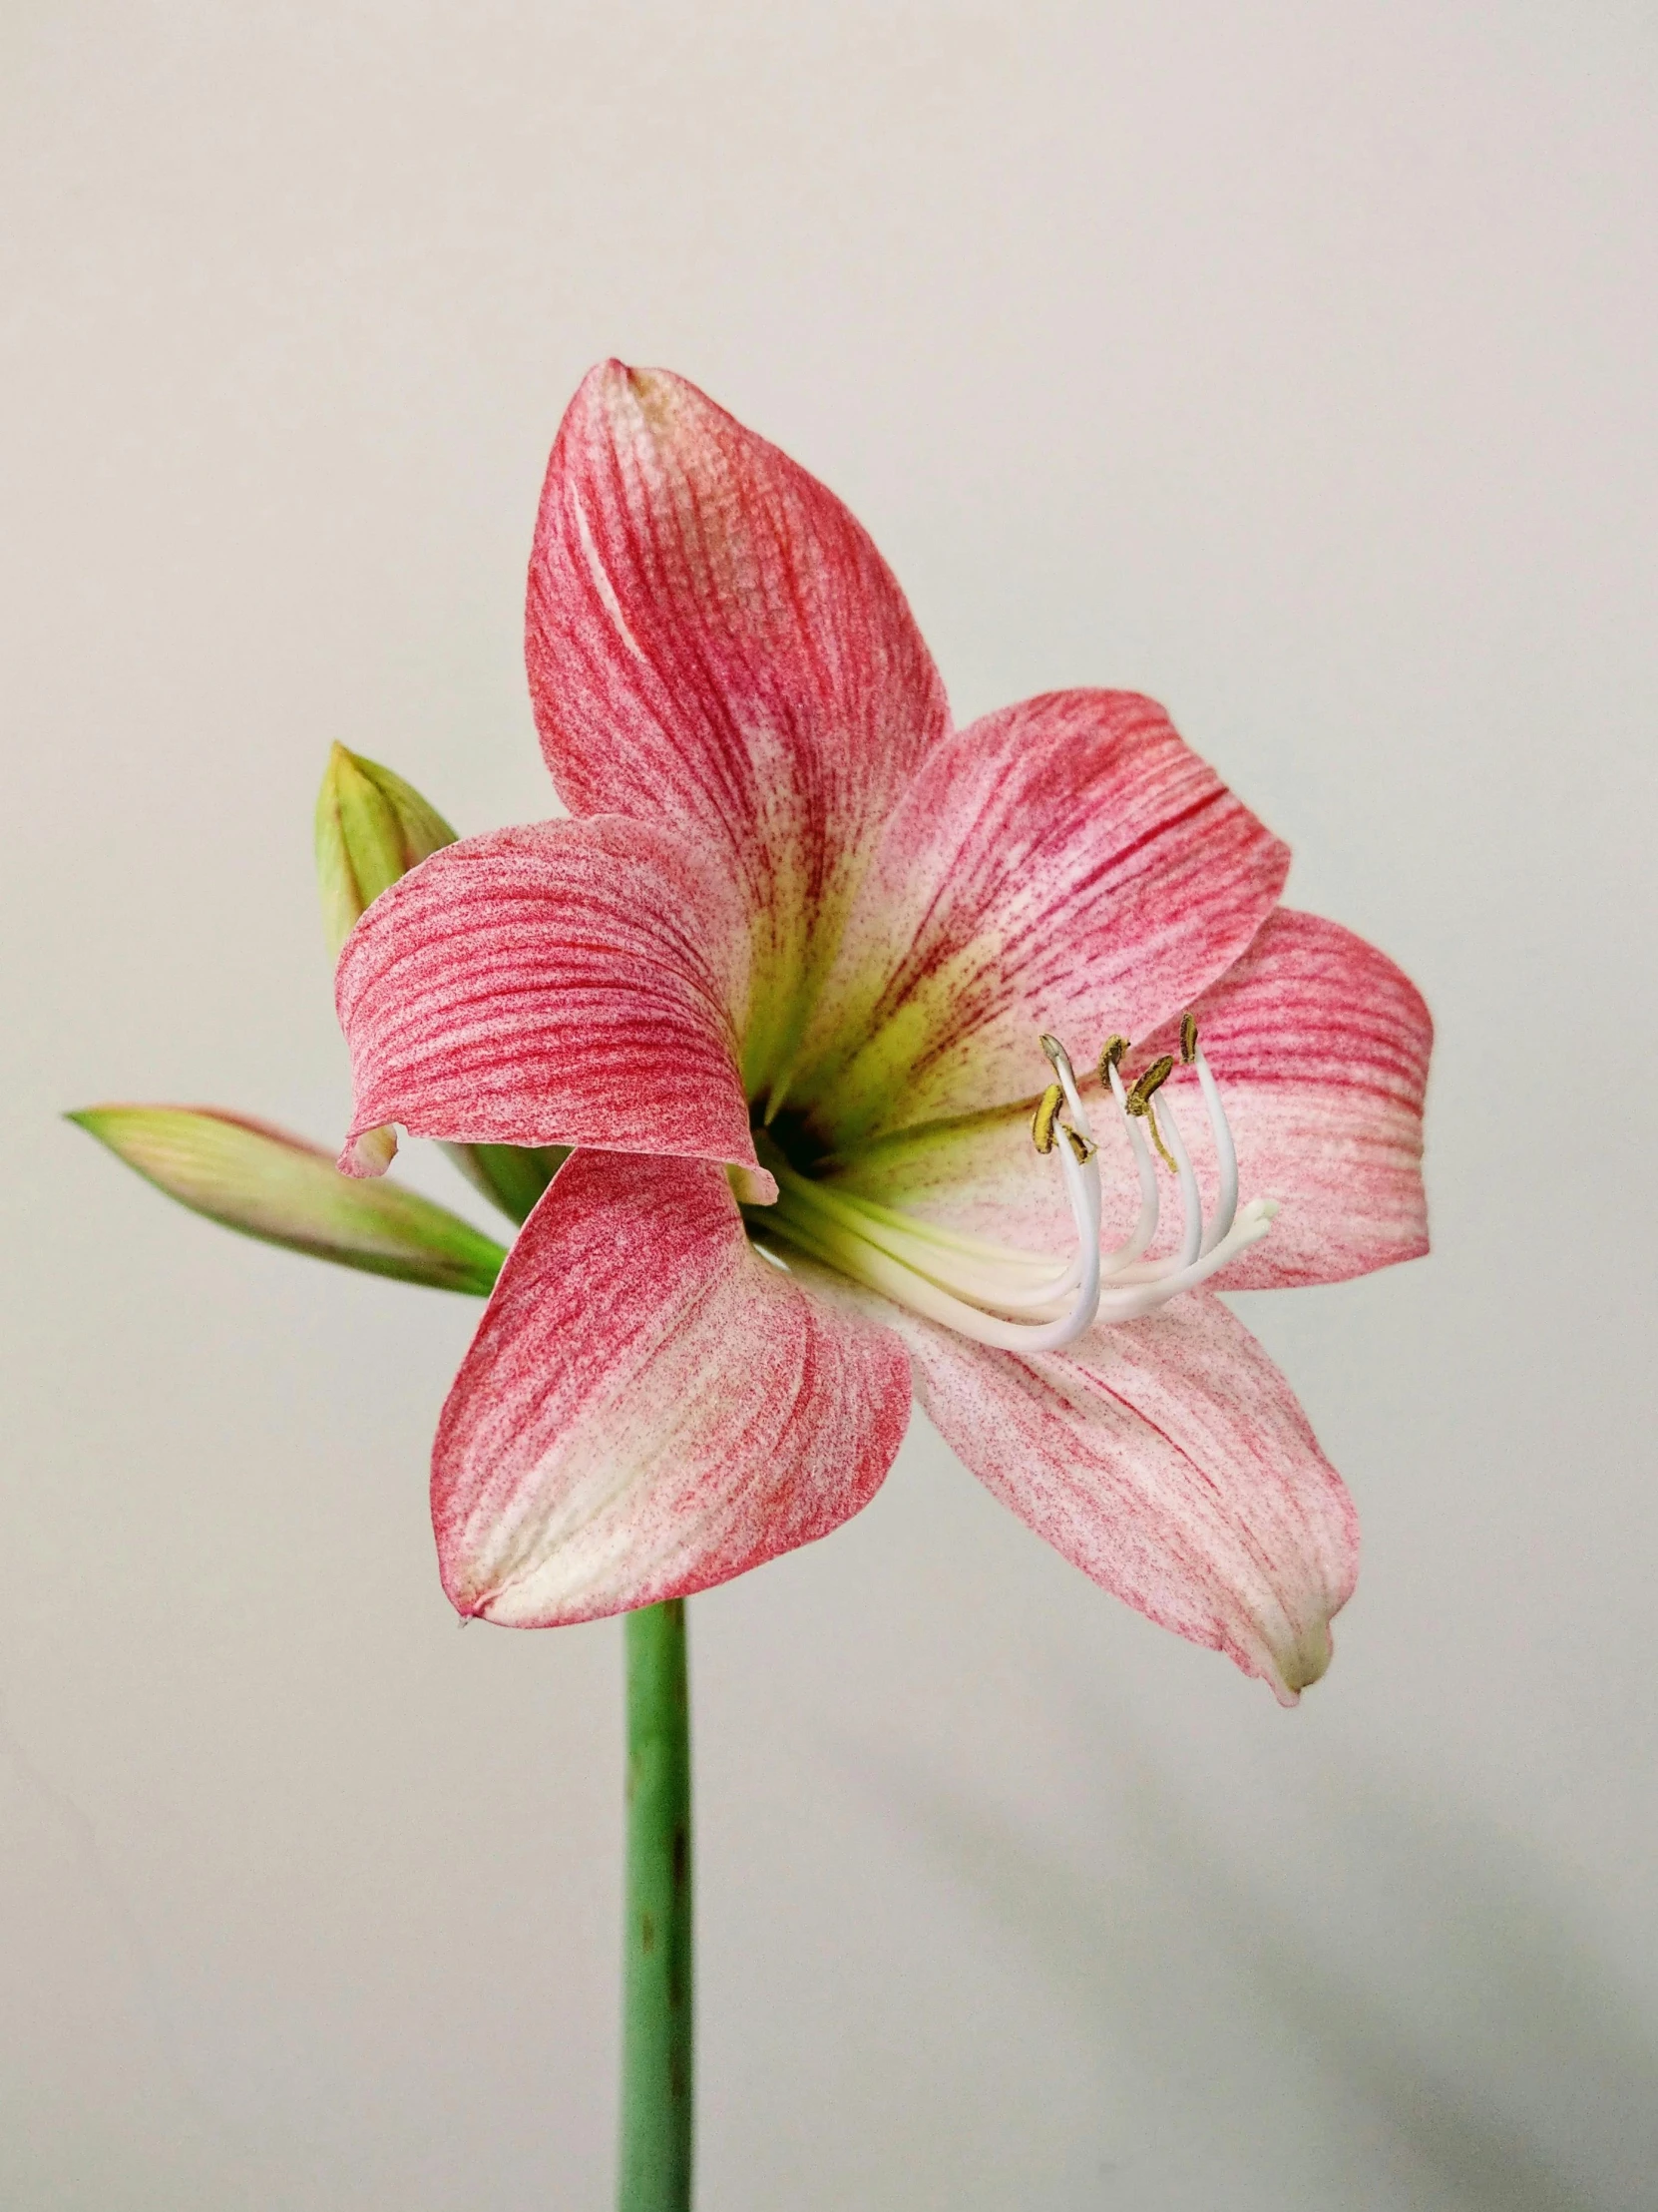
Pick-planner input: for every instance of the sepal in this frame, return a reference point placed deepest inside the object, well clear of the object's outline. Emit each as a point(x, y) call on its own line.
point(511, 1176)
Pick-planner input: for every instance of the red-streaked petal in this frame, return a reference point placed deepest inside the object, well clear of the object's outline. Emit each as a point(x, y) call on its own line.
point(564, 983)
point(1319, 1045)
point(1170, 1462)
point(1070, 865)
point(649, 1406)
point(713, 642)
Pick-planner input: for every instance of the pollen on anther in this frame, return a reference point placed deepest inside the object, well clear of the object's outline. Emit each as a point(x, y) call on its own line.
point(1141, 1091)
point(1111, 1055)
point(1163, 1153)
point(1043, 1120)
point(1079, 1144)
point(1188, 1039)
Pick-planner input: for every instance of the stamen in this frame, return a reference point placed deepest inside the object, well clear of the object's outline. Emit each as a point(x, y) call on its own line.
point(1138, 1102)
point(1045, 1116)
point(1029, 1302)
point(1139, 1097)
point(1167, 1157)
point(1218, 1231)
point(808, 1216)
point(1146, 1226)
point(1061, 1060)
point(1226, 1155)
point(1110, 1056)
point(1133, 1302)
point(1067, 1080)
point(1191, 1208)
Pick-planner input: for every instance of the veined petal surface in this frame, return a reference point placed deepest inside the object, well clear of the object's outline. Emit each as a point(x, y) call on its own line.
point(1170, 1462)
point(1068, 864)
point(649, 1406)
point(1319, 1045)
point(713, 642)
point(564, 983)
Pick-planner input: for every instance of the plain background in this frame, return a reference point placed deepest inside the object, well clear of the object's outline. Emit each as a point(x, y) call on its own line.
point(1292, 363)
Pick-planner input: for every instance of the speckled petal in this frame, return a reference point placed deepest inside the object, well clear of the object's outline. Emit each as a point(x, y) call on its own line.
point(714, 642)
point(649, 1406)
point(565, 984)
point(1168, 1459)
point(1070, 865)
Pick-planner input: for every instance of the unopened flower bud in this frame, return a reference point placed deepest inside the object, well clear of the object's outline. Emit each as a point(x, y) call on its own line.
point(258, 1179)
point(371, 828)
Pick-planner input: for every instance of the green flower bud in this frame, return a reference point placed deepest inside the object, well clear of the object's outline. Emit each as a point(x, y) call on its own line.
point(371, 828)
point(250, 1176)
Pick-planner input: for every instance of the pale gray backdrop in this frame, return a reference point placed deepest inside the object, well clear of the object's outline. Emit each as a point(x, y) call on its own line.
point(1292, 363)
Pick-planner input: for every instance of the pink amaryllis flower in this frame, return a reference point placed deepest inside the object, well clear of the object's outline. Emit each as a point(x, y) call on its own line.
point(834, 1004)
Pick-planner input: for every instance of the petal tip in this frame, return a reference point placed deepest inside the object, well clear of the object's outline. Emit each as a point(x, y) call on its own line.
point(370, 1152)
point(752, 1186)
point(607, 383)
point(1302, 1663)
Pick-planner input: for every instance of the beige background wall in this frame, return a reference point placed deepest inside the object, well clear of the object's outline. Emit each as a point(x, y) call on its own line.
point(1294, 363)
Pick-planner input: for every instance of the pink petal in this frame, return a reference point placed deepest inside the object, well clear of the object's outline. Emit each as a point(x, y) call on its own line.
point(1069, 865)
point(564, 983)
point(649, 1406)
point(1320, 1044)
point(713, 642)
point(1169, 1461)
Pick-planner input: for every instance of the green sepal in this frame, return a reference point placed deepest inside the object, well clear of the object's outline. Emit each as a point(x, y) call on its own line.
point(263, 1182)
point(511, 1177)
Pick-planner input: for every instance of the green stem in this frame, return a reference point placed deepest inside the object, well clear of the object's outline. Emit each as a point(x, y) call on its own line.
point(656, 2026)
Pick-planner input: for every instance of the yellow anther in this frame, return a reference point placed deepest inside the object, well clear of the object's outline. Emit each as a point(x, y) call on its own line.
point(1188, 1038)
point(1046, 1117)
point(1139, 1100)
point(1111, 1057)
point(1079, 1144)
point(1167, 1157)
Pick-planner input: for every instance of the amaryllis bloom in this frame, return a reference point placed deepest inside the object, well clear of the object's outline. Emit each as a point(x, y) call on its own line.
point(899, 1061)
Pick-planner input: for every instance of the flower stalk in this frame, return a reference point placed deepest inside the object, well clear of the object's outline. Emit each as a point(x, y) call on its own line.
point(654, 2160)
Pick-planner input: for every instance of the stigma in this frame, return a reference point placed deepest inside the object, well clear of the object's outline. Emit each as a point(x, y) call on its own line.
point(1021, 1301)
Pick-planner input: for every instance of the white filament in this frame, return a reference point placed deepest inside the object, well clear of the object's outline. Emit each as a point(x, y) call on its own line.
point(831, 1231)
point(1021, 1301)
point(1146, 1228)
point(1226, 1155)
